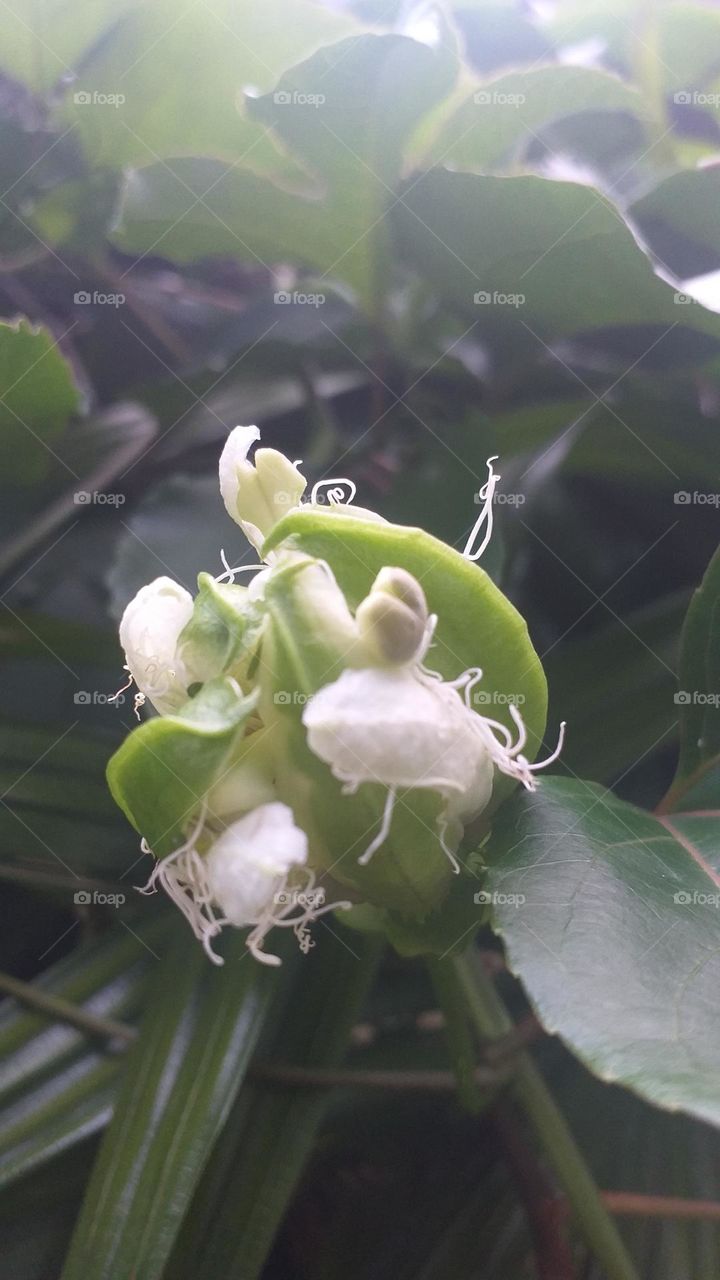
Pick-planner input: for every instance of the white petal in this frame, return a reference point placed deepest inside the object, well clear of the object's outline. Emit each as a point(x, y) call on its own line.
point(388, 726)
point(237, 447)
point(248, 863)
point(149, 631)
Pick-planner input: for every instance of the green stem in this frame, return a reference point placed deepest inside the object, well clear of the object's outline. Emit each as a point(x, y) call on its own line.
point(461, 1042)
point(492, 1020)
point(62, 1010)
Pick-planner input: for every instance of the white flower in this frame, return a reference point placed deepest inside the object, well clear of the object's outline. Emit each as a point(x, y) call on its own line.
point(149, 632)
point(257, 494)
point(253, 874)
point(248, 864)
point(406, 728)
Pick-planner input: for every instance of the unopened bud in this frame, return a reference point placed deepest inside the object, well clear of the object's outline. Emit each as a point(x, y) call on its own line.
point(257, 494)
point(392, 619)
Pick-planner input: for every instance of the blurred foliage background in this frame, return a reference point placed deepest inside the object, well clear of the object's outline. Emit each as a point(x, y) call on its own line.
point(401, 238)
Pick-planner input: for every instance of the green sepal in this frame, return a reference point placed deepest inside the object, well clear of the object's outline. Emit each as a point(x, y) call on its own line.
point(162, 771)
point(224, 629)
point(447, 930)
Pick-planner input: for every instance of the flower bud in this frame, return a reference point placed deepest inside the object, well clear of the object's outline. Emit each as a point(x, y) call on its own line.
point(247, 865)
point(149, 632)
point(392, 619)
point(257, 495)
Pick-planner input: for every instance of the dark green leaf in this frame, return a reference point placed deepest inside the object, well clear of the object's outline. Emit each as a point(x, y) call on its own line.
point(37, 396)
point(200, 1028)
point(698, 698)
point(610, 918)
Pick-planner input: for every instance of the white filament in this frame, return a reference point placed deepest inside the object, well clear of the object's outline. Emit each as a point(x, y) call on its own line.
point(487, 493)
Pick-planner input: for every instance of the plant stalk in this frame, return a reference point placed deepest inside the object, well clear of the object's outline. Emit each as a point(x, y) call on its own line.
point(491, 1020)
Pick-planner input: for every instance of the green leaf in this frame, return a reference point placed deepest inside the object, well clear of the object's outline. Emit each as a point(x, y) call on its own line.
point(201, 1026)
point(678, 220)
point(41, 46)
point(610, 918)
point(372, 93)
point(626, 1143)
point(489, 128)
point(56, 827)
point(558, 249)
point(256, 1166)
point(698, 699)
point(618, 676)
point(346, 113)
point(57, 1082)
point(205, 207)
point(163, 769)
point(37, 397)
point(212, 54)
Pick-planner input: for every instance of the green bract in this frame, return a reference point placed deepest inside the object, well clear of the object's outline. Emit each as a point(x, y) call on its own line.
point(348, 713)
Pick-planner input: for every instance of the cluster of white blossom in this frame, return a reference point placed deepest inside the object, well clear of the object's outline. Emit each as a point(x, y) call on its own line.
point(386, 718)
